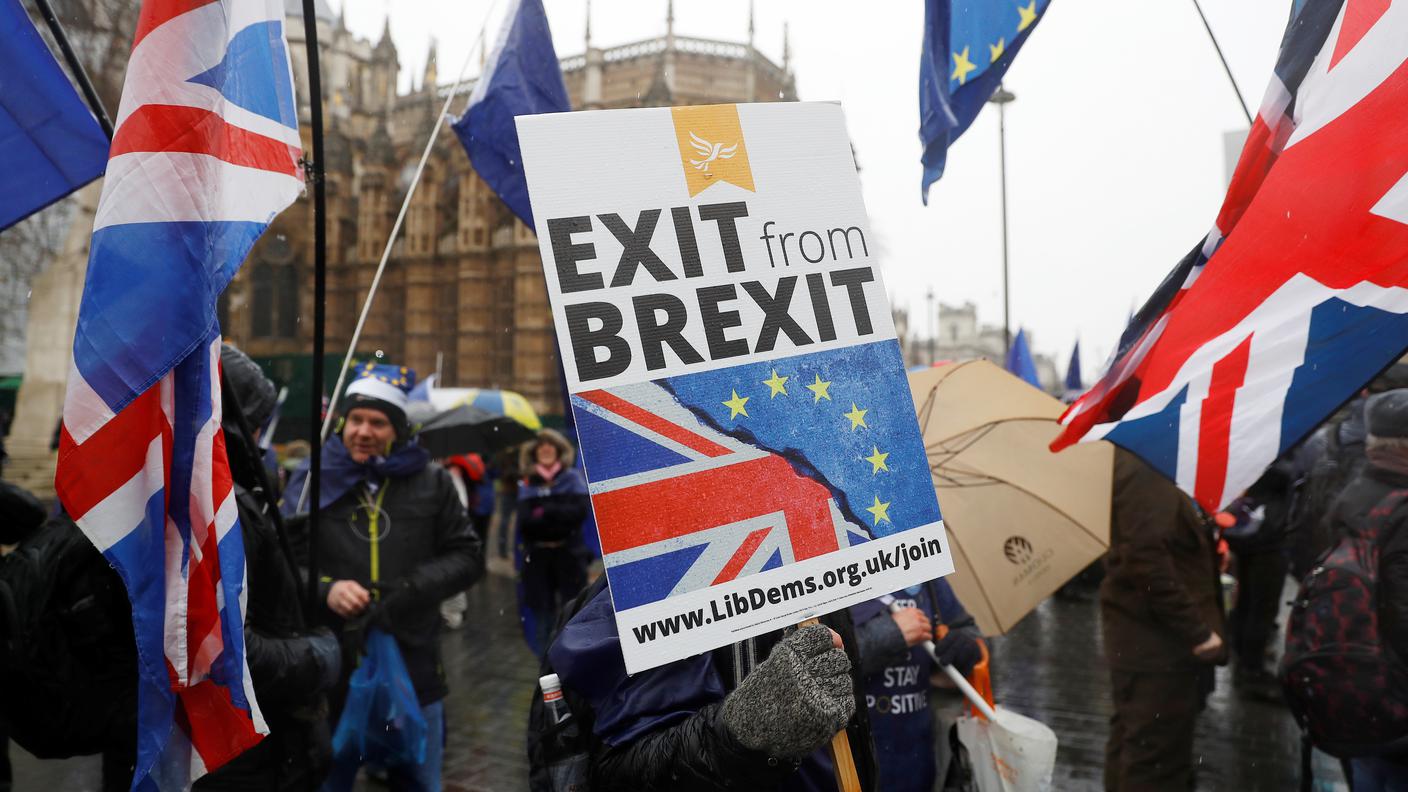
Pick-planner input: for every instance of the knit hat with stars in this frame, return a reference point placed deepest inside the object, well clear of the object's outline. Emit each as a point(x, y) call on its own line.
point(382, 387)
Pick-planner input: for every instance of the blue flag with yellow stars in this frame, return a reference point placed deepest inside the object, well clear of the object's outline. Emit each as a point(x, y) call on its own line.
point(968, 45)
point(1020, 362)
point(844, 418)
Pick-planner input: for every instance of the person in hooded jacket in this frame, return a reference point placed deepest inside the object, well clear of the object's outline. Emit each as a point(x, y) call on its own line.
point(292, 665)
point(758, 715)
point(897, 670)
point(1385, 471)
point(394, 541)
point(552, 505)
point(1324, 463)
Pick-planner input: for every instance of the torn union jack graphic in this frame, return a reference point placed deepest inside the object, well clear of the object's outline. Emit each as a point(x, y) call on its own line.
point(1297, 297)
point(656, 540)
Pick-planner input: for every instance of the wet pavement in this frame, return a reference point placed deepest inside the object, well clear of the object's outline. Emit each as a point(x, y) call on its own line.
point(1050, 667)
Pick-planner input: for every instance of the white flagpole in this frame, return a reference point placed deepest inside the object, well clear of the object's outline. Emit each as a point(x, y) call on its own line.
point(386, 252)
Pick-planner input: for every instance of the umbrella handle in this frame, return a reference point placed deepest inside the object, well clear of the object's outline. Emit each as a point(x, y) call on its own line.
point(968, 690)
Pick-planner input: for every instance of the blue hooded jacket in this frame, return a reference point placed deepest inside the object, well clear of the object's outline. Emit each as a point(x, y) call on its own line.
point(586, 656)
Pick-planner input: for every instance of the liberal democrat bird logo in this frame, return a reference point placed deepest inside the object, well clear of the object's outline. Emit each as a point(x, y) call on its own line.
point(709, 152)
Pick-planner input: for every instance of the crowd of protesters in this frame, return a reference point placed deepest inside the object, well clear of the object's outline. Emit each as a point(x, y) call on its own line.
point(404, 536)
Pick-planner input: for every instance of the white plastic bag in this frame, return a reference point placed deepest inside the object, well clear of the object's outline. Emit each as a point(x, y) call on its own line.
point(1013, 754)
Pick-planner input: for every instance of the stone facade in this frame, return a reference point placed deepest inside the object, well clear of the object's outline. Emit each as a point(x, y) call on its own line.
point(464, 285)
point(960, 336)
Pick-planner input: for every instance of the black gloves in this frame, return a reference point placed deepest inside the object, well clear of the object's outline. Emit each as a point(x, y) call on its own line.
point(327, 654)
point(959, 650)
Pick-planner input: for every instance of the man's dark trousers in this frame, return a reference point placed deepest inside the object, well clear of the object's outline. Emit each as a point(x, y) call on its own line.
point(1151, 731)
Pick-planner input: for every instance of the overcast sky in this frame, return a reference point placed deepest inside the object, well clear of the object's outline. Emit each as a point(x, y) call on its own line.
point(1115, 152)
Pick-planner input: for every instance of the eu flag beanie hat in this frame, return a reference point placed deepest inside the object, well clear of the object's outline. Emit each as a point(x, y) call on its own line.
point(385, 388)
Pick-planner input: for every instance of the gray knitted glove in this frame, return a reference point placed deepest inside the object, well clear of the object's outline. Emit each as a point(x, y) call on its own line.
point(795, 700)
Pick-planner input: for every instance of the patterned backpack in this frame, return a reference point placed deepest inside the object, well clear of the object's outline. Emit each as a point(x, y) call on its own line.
point(1348, 694)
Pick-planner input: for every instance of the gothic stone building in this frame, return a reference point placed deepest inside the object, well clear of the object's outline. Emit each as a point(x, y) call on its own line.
point(464, 285)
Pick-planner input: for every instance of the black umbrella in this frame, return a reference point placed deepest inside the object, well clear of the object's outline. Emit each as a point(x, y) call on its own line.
point(463, 429)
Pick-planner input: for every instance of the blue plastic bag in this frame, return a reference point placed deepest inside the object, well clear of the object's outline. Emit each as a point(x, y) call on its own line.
point(381, 722)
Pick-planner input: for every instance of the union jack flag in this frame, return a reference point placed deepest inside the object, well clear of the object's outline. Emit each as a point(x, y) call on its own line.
point(205, 154)
point(667, 500)
point(1299, 294)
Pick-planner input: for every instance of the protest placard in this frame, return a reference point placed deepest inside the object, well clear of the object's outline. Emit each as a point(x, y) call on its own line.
point(741, 403)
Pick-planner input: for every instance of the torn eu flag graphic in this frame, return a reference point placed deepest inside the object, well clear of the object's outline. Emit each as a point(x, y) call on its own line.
point(823, 443)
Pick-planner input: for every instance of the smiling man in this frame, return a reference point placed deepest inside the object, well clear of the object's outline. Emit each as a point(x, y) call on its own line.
point(394, 542)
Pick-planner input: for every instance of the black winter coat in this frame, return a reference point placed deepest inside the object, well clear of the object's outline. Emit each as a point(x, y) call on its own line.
point(1349, 516)
point(1161, 595)
point(425, 553)
point(283, 667)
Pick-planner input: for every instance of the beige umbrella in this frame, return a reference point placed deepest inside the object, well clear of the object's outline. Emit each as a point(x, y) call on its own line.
point(1021, 520)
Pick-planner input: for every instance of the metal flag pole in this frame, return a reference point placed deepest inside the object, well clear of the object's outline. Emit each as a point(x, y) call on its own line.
point(315, 172)
point(1223, 58)
point(80, 75)
point(386, 253)
point(1000, 98)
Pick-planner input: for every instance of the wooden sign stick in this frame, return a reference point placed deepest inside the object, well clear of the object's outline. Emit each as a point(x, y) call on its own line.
point(847, 779)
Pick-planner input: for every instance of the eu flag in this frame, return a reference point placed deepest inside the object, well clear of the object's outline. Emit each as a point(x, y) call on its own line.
point(1020, 361)
point(50, 145)
point(1075, 384)
point(523, 78)
point(968, 45)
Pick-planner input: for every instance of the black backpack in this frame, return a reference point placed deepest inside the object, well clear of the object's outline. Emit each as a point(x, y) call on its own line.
point(1347, 692)
point(559, 754)
point(68, 669)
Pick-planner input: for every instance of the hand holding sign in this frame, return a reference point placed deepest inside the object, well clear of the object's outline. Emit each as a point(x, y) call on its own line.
point(797, 699)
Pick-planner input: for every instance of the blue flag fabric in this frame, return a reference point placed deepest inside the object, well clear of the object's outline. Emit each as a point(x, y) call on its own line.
point(968, 45)
point(50, 144)
point(1074, 381)
point(1020, 361)
point(523, 78)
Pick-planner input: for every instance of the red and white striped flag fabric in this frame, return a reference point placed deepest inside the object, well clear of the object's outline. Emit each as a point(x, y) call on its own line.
point(206, 153)
point(1299, 294)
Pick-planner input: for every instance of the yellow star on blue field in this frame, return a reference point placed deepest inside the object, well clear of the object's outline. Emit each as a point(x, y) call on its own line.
point(996, 50)
point(877, 460)
point(880, 511)
point(735, 405)
point(819, 389)
point(962, 66)
point(1028, 13)
point(857, 417)
point(776, 384)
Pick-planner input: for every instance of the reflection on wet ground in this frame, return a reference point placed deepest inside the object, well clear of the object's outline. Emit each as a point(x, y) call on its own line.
point(1050, 667)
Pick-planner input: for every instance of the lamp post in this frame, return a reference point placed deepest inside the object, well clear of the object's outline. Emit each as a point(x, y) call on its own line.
point(1000, 98)
point(933, 327)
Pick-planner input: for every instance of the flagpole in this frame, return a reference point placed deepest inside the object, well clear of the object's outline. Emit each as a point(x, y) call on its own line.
point(80, 75)
point(1000, 98)
point(386, 252)
point(1223, 58)
point(315, 172)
